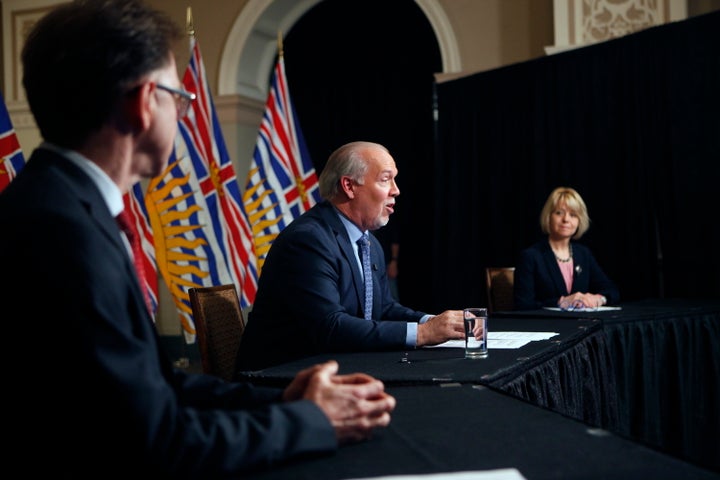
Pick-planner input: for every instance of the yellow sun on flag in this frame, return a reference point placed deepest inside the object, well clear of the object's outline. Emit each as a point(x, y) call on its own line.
point(258, 219)
point(172, 263)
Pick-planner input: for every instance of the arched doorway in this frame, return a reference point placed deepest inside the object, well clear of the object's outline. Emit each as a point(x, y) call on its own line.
point(251, 46)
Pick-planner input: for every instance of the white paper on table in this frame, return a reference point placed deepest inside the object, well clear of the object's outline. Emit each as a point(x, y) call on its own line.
point(530, 336)
point(604, 308)
point(502, 340)
point(498, 474)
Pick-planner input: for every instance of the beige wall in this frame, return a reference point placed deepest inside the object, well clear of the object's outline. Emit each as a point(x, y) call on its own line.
point(489, 33)
point(213, 20)
point(493, 33)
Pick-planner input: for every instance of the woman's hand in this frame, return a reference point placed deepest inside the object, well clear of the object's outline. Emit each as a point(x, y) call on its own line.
point(581, 300)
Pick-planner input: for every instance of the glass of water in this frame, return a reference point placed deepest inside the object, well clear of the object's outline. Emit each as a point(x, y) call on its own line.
point(475, 319)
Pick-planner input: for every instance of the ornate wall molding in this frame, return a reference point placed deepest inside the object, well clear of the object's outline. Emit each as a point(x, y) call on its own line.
point(584, 22)
point(19, 16)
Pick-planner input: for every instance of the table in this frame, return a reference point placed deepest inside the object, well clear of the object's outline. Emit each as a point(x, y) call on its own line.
point(441, 365)
point(650, 372)
point(568, 373)
point(463, 427)
point(665, 357)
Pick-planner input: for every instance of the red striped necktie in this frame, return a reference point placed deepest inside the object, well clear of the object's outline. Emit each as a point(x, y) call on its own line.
point(123, 221)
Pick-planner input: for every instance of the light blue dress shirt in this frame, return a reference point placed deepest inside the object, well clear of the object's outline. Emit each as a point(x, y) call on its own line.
point(354, 233)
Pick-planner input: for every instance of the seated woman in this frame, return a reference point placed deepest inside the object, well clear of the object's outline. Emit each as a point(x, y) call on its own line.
point(558, 272)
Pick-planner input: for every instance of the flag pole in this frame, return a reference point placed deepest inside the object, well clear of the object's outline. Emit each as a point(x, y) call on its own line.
point(280, 44)
point(189, 23)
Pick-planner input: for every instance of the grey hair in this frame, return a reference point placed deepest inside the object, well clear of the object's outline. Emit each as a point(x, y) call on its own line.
point(346, 161)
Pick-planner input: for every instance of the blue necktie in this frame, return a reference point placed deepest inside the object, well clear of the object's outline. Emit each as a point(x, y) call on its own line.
point(364, 244)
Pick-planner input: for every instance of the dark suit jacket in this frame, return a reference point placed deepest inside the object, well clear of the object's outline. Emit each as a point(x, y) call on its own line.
point(89, 384)
point(310, 297)
point(539, 282)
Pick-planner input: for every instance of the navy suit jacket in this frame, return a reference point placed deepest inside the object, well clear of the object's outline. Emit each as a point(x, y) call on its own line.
point(310, 297)
point(539, 283)
point(90, 385)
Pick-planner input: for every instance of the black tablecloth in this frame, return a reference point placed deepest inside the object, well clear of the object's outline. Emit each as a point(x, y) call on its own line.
point(443, 429)
point(666, 356)
point(578, 382)
point(442, 365)
point(650, 372)
point(569, 373)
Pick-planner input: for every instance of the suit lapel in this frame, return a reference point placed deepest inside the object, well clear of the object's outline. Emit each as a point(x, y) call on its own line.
point(97, 211)
point(347, 250)
point(553, 269)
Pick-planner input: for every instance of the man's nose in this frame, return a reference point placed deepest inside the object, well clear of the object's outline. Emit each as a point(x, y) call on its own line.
point(395, 190)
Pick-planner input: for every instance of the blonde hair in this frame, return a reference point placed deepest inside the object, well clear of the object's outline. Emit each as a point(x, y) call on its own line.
point(573, 201)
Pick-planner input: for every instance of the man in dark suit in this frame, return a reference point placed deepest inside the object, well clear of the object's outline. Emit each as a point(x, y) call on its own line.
point(91, 391)
point(311, 294)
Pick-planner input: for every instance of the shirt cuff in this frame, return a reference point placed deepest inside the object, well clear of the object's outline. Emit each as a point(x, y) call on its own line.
point(411, 339)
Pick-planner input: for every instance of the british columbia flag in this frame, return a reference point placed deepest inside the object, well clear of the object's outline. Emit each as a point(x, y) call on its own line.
point(282, 183)
point(201, 234)
point(11, 156)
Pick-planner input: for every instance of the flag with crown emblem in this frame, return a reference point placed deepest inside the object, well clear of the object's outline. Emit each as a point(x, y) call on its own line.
point(282, 183)
point(201, 234)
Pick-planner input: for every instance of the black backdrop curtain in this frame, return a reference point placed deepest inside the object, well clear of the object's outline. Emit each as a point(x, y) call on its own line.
point(633, 124)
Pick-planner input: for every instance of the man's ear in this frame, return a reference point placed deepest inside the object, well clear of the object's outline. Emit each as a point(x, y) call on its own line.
point(138, 107)
point(348, 186)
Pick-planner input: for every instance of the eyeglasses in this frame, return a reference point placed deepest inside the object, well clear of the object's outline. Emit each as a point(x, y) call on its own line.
point(182, 99)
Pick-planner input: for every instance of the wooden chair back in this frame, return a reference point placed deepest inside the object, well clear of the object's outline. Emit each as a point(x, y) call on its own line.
point(499, 283)
point(219, 326)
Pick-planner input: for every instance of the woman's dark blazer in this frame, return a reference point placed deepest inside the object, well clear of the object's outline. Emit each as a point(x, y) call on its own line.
point(539, 282)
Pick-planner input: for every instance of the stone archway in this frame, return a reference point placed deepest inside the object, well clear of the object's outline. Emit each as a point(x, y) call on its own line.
point(250, 49)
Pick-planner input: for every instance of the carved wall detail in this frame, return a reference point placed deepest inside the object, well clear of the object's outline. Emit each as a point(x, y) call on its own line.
point(604, 19)
point(583, 22)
